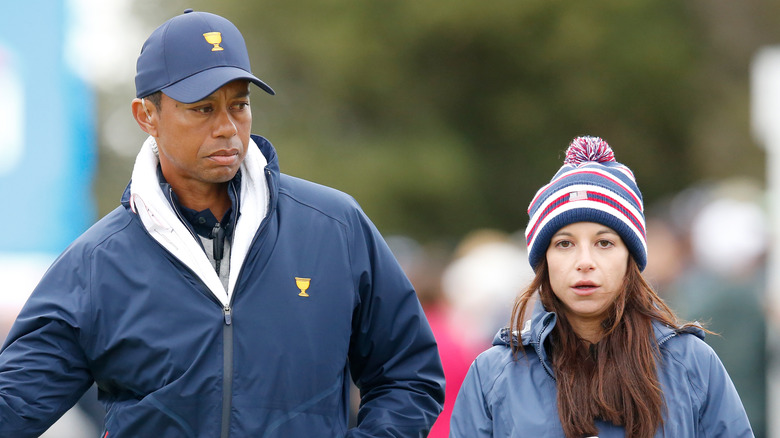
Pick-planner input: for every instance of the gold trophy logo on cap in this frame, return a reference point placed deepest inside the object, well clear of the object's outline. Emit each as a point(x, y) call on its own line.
point(214, 38)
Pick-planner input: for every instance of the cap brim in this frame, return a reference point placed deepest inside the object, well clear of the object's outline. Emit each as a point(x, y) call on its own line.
point(201, 85)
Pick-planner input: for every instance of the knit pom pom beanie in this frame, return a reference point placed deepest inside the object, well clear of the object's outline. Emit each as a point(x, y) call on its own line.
point(590, 187)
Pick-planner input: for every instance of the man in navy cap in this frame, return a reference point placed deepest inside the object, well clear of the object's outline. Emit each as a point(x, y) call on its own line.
point(222, 298)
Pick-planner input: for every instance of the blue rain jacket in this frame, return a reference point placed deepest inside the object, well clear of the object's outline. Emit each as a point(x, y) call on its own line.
point(170, 360)
point(504, 397)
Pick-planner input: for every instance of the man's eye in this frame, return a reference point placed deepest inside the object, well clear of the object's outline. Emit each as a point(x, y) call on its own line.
point(204, 109)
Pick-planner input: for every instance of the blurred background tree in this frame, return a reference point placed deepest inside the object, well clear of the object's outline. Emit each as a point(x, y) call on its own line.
point(444, 117)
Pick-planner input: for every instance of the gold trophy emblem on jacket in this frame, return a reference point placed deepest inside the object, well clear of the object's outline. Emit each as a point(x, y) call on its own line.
point(303, 284)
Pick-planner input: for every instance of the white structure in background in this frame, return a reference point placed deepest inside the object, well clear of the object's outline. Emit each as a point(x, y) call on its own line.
point(12, 111)
point(114, 34)
point(733, 253)
point(765, 119)
point(20, 273)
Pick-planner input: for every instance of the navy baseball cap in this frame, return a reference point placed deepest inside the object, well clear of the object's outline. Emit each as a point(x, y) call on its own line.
point(192, 55)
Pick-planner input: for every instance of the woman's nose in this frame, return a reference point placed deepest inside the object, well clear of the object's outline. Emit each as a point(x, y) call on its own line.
point(585, 260)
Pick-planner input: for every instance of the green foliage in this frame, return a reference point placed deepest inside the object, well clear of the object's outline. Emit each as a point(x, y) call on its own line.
point(442, 117)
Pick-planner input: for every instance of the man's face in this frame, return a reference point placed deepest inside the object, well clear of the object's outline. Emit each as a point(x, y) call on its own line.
point(204, 143)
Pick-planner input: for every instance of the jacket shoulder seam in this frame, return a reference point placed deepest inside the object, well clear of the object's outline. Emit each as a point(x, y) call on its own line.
point(90, 270)
point(308, 205)
point(673, 356)
point(498, 375)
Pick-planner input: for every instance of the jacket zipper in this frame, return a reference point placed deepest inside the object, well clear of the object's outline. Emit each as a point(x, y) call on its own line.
point(666, 338)
point(227, 335)
point(538, 355)
point(227, 369)
point(227, 314)
point(227, 331)
point(227, 338)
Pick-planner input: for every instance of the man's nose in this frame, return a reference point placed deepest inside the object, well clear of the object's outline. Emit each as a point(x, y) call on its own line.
point(225, 126)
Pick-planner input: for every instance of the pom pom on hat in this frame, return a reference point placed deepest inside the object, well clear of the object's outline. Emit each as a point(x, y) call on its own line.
point(584, 149)
point(590, 187)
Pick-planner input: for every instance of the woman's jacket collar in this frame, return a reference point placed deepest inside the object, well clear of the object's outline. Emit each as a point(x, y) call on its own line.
point(538, 328)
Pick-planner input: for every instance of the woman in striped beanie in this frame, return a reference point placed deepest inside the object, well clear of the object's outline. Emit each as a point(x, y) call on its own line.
point(600, 354)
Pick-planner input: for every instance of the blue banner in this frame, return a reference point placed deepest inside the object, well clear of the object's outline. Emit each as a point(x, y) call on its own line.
point(47, 142)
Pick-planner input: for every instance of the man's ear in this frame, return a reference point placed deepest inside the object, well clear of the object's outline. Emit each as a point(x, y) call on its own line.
point(145, 114)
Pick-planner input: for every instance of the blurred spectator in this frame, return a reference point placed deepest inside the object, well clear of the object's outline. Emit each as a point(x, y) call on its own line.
point(423, 266)
point(467, 300)
point(481, 283)
point(671, 256)
point(718, 278)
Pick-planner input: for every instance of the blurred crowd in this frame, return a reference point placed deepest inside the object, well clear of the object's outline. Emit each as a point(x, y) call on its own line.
point(707, 259)
point(708, 249)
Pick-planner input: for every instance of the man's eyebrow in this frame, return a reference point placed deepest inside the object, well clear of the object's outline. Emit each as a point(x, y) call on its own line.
point(242, 93)
point(238, 94)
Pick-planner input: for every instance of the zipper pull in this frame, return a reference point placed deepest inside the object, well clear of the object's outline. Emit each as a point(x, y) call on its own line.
point(228, 316)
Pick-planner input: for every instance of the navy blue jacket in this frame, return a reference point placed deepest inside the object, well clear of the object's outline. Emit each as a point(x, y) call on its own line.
point(170, 360)
point(507, 397)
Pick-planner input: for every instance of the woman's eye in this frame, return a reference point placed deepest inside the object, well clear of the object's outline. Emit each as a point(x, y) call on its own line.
point(604, 243)
point(563, 244)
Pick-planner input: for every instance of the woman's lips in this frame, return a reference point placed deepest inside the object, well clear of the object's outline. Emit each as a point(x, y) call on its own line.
point(584, 288)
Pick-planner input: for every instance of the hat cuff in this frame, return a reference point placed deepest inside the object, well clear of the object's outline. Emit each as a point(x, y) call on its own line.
point(632, 241)
point(200, 85)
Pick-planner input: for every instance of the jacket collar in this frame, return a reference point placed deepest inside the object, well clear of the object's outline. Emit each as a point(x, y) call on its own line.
point(272, 172)
point(535, 331)
point(540, 326)
point(145, 198)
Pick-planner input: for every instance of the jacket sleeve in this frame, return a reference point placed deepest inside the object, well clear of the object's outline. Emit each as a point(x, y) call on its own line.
point(471, 416)
point(393, 355)
point(721, 413)
point(43, 370)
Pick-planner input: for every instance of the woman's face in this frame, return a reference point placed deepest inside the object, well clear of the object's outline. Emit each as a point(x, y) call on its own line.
point(587, 264)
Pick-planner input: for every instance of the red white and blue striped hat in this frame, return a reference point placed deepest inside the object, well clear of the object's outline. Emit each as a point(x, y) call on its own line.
point(590, 187)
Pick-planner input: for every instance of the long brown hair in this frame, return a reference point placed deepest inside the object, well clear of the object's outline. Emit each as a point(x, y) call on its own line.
point(616, 378)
